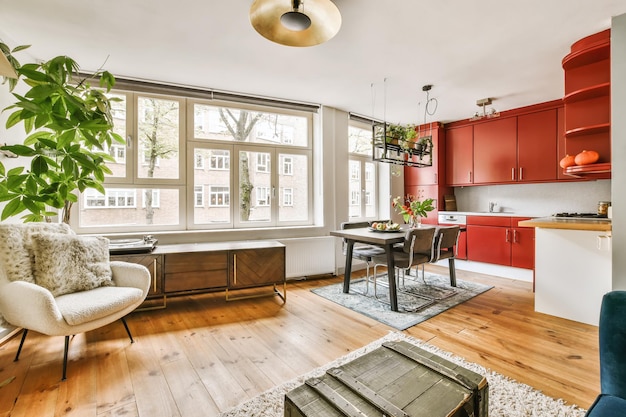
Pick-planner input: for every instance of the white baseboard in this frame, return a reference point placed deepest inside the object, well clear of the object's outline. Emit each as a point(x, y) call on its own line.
point(519, 274)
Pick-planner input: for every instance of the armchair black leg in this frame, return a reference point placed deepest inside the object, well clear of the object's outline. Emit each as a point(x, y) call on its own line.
point(452, 272)
point(19, 349)
point(127, 330)
point(67, 346)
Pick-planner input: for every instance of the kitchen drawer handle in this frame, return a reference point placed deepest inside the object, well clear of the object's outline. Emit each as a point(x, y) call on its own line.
point(601, 238)
point(515, 236)
point(521, 174)
point(234, 269)
point(506, 236)
point(513, 173)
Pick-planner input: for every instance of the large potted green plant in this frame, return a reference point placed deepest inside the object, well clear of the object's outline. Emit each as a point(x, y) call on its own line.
point(68, 127)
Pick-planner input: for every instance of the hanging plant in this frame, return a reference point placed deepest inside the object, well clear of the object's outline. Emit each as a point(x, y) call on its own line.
point(69, 128)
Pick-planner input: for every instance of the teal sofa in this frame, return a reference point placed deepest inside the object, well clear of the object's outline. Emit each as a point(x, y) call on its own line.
point(612, 399)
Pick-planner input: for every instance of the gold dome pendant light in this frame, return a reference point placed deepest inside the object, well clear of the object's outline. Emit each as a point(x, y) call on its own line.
point(295, 22)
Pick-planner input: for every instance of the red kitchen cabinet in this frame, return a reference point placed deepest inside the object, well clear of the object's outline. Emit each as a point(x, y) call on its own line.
point(423, 192)
point(434, 174)
point(498, 240)
point(537, 146)
point(428, 182)
point(459, 155)
point(461, 249)
point(523, 247)
point(488, 239)
point(495, 151)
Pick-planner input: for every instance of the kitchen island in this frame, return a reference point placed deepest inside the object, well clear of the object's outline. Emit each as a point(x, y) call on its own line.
point(572, 266)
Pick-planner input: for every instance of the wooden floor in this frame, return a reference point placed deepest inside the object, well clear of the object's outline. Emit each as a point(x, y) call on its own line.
point(201, 355)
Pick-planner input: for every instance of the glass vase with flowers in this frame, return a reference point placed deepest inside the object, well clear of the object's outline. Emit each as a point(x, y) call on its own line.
point(412, 210)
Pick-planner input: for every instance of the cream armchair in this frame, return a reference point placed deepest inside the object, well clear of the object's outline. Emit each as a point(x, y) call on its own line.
point(27, 303)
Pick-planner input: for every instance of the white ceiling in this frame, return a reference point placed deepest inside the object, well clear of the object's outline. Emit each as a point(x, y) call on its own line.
point(508, 50)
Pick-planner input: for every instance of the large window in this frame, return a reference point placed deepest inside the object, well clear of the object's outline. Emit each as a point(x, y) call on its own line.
point(362, 172)
point(203, 164)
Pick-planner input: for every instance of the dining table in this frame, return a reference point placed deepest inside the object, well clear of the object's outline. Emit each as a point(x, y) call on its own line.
point(384, 238)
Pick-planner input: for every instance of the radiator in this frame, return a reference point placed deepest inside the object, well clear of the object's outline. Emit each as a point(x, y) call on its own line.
point(309, 256)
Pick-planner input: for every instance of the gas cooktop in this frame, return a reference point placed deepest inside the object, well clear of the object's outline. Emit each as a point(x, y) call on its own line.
point(590, 216)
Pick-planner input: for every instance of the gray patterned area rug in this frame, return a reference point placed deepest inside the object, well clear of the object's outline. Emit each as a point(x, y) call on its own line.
point(418, 299)
point(507, 397)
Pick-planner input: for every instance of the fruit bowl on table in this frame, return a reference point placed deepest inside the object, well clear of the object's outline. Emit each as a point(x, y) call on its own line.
point(385, 227)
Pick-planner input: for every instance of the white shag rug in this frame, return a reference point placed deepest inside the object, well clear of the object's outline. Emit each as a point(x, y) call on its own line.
point(507, 397)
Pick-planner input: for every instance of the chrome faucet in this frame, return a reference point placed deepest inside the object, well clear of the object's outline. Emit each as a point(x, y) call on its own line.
point(492, 206)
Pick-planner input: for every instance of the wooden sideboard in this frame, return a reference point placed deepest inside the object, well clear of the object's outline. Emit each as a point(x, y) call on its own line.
point(189, 268)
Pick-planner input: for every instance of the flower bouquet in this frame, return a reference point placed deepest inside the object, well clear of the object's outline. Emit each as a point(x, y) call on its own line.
point(411, 209)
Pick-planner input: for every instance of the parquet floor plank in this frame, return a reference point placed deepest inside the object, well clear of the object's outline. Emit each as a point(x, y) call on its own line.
point(202, 355)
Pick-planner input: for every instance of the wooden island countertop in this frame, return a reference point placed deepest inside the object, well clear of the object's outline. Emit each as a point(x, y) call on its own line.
point(568, 223)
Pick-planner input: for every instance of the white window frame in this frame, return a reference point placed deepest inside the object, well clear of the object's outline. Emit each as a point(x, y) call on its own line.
point(224, 193)
point(187, 163)
point(116, 149)
point(198, 160)
point(263, 161)
point(287, 197)
point(262, 196)
point(198, 191)
point(219, 162)
point(286, 165)
point(367, 199)
point(156, 198)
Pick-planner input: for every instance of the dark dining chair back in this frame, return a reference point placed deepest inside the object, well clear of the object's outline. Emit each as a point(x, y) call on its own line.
point(362, 251)
point(417, 249)
point(446, 243)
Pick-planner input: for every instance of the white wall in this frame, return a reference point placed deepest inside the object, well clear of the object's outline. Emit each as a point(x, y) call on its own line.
point(535, 199)
point(618, 135)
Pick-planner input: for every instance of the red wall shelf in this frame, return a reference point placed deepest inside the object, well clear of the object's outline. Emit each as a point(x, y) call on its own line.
point(597, 171)
point(588, 93)
point(587, 103)
point(588, 130)
point(588, 50)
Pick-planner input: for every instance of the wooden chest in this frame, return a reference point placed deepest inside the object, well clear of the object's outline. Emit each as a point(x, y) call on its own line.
point(398, 379)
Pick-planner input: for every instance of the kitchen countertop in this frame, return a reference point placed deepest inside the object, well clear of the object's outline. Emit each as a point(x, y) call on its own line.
point(568, 223)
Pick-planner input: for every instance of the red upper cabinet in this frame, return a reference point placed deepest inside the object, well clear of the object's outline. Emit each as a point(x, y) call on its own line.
point(561, 152)
point(495, 151)
point(459, 155)
point(537, 146)
point(429, 175)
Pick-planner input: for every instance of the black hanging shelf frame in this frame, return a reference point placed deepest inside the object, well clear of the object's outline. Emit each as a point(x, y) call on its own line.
point(412, 153)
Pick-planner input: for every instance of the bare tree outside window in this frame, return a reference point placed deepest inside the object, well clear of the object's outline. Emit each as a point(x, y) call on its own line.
point(240, 123)
point(158, 137)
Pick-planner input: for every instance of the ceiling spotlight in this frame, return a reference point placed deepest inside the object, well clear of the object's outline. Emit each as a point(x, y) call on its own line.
point(295, 20)
point(483, 102)
point(285, 21)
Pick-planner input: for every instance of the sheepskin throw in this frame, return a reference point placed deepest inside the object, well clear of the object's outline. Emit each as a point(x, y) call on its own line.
point(70, 263)
point(16, 247)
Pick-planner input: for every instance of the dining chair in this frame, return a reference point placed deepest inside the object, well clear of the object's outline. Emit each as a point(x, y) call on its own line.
point(57, 283)
point(418, 248)
point(362, 251)
point(446, 244)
